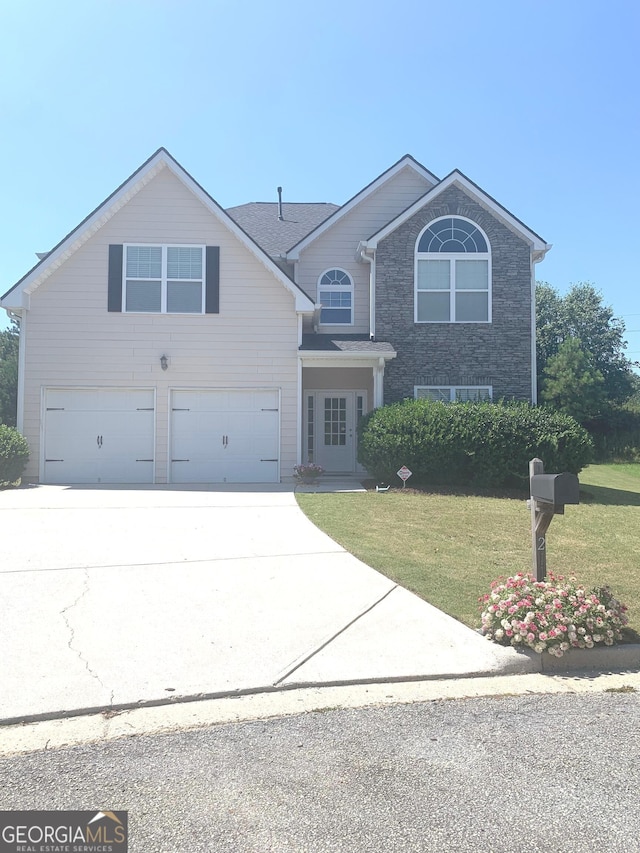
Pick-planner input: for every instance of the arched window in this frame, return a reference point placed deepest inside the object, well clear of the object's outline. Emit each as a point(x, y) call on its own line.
point(335, 293)
point(453, 273)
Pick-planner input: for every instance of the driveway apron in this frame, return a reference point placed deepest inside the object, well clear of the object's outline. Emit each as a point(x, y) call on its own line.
point(114, 597)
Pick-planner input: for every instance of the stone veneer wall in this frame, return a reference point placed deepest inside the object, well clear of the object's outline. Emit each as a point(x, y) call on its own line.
point(496, 353)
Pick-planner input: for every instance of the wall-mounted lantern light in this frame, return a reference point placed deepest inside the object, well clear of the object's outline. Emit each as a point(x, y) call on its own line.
point(164, 362)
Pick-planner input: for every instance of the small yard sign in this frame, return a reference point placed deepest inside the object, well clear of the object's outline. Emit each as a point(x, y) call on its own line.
point(404, 473)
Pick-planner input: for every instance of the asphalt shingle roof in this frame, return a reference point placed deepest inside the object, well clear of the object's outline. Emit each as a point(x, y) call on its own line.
point(260, 220)
point(344, 343)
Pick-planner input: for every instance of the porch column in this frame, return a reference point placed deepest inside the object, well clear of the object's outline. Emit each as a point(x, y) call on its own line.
point(378, 384)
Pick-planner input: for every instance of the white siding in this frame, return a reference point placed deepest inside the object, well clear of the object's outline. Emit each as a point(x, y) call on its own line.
point(337, 246)
point(73, 341)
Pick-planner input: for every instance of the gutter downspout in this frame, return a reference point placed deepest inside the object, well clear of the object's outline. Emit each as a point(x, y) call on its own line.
point(371, 260)
point(22, 358)
point(534, 355)
point(378, 371)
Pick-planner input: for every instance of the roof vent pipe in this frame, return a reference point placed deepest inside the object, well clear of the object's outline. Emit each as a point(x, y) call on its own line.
point(280, 216)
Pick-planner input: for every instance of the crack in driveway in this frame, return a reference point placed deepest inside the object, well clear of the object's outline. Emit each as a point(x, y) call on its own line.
point(72, 632)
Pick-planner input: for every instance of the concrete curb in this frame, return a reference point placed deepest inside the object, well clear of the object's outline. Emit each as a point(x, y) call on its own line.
point(598, 661)
point(600, 658)
point(259, 690)
point(181, 716)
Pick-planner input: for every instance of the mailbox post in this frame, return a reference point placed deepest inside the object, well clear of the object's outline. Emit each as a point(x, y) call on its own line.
point(549, 494)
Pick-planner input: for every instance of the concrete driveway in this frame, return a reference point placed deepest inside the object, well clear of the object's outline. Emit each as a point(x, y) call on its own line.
point(113, 597)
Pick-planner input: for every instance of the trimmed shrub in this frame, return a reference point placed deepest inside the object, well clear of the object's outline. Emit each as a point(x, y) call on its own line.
point(14, 455)
point(479, 444)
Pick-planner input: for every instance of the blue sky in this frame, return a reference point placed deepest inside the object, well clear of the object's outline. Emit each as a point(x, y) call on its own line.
point(537, 102)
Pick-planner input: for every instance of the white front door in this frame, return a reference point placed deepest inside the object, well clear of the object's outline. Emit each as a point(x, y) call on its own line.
point(334, 429)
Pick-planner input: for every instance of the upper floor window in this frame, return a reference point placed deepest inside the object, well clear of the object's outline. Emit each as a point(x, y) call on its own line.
point(453, 273)
point(335, 293)
point(164, 279)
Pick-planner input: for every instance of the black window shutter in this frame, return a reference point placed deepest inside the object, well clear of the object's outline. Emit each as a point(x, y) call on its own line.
point(114, 300)
point(212, 284)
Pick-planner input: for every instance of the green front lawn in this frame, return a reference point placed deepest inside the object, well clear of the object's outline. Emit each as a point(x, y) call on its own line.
point(448, 548)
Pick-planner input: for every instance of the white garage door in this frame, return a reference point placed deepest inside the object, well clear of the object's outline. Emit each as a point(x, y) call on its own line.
point(99, 436)
point(225, 436)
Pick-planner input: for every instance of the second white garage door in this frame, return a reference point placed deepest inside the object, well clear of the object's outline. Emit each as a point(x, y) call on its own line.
point(225, 436)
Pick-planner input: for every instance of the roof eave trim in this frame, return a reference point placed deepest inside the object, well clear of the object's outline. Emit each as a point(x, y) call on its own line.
point(92, 223)
point(333, 355)
point(113, 203)
point(294, 252)
point(538, 245)
point(17, 301)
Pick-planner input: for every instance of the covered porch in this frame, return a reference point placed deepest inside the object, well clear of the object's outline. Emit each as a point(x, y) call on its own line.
point(342, 378)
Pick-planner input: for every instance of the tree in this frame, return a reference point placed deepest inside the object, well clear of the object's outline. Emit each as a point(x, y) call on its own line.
point(580, 315)
point(633, 403)
point(549, 325)
point(572, 384)
point(9, 345)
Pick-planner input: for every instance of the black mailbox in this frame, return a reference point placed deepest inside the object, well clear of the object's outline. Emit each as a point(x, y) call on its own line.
point(556, 489)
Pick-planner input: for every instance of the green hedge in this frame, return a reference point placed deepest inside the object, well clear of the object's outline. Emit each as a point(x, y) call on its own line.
point(480, 444)
point(14, 455)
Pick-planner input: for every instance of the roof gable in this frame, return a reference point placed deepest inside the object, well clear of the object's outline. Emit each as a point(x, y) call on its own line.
point(538, 246)
point(404, 162)
point(17, 296)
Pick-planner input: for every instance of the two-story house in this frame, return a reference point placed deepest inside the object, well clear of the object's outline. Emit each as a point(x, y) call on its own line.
point(166, 340)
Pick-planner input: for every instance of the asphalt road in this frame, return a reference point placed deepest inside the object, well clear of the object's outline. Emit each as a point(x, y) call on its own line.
point(533, 773)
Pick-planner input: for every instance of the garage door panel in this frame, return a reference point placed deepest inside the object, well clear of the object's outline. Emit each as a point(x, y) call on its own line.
point(133, 437)
point(71, 448)
point(249, 471)
point(225, 436)
point(73, 401)
point(127, 471)
point(256, 437)
point(195, 428)
point(253, 401)
point(99, 436)
point(127, 454)
point(72, 431)
point(198, 471)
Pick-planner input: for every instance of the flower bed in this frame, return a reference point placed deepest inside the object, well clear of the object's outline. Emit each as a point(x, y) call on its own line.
point(553, 616)
point(308, 473)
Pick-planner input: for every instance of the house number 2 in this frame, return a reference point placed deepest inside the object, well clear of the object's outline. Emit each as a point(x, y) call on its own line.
point(541, 543)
